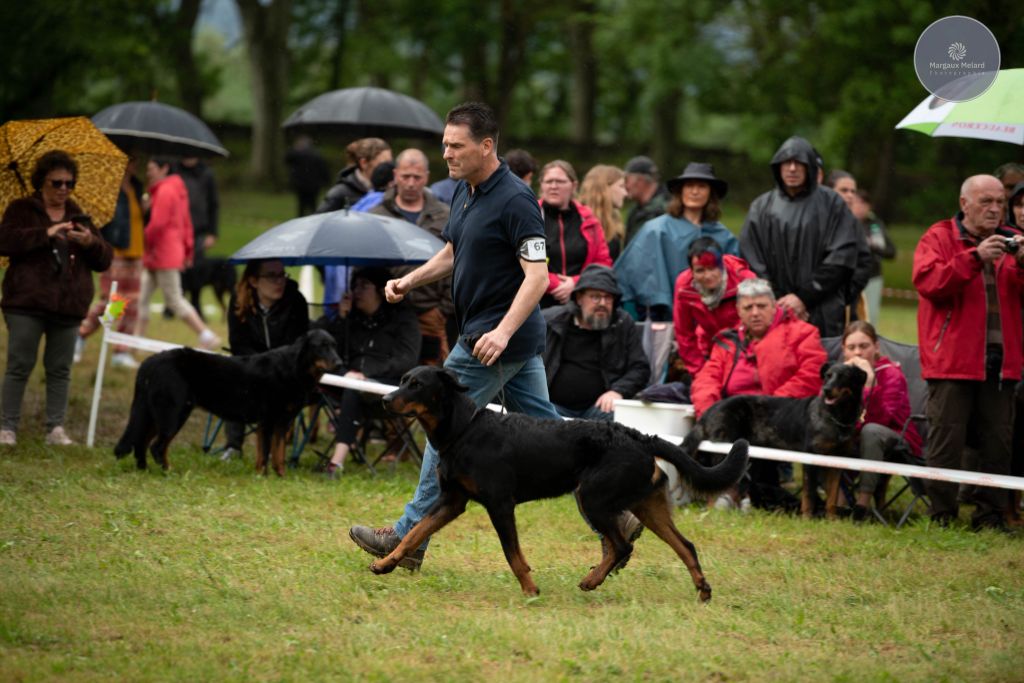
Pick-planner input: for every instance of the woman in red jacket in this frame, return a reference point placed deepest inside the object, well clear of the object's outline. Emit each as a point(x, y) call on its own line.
point(885, 425)
point(575, 238)
point(168, 250)
point(705, 300)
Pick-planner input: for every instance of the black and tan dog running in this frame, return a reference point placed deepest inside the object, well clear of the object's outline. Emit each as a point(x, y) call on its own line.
point(267, 388)
point(825, 424)
point(502, 460)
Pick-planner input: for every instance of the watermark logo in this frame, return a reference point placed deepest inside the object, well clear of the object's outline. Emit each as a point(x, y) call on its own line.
point(957, 58)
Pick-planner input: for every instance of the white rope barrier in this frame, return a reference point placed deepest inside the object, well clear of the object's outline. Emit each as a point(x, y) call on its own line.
point(369, 386)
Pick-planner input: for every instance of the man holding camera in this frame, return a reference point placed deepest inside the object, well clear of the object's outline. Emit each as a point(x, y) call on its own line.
point(968, 271)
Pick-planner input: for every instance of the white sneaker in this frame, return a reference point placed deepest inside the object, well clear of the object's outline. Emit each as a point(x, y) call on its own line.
point(79, 348)
point(229, 453)
point(57, 437)
point(725, 502)
point(123, 359)
point(209, 340)
point(8, 438)
point(746, 505)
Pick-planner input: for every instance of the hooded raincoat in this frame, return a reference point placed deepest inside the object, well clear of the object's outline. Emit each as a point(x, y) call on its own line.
point(805, 245)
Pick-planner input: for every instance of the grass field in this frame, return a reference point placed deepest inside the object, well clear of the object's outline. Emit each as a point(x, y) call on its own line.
point(213, 573)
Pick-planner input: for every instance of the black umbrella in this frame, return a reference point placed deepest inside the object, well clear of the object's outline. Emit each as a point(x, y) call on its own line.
point(157, 128)
point(352, 238)
point(363, 112)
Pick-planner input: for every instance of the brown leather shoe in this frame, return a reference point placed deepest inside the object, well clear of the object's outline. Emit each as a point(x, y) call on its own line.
point(381, 541)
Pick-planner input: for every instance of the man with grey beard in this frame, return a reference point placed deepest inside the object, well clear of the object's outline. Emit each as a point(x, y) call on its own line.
point(594, 354)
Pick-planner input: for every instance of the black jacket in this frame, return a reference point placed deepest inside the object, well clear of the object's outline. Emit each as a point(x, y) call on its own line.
point(382, 346)
point(624, 364)
point(641, 213)
point(286, 321)
point(805, 245)
point(346, 191)
point(203, 202)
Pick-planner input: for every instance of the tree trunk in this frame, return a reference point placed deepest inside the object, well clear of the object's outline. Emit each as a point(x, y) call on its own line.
point(883, 174)
point(584, 72)
point(190, 85)
point(666, 125)
point(515, 21)
point(338, 20)
point(265, 26)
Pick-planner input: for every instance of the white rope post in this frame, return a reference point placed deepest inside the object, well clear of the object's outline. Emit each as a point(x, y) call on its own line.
point(97, 388)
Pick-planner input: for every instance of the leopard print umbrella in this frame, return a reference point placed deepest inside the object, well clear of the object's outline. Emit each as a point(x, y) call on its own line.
point(100, 163)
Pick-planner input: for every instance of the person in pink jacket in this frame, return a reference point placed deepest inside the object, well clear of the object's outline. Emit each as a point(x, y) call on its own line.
point(885, 427)
point(575, 238)
point(705, 300)
point(168, 250)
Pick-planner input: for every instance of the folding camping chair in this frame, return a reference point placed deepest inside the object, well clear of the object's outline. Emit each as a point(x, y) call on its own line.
point(376, 424)
point(909, 359)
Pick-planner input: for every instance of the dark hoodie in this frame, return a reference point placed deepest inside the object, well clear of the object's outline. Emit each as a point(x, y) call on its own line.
point(346, 191)
point(624, 365)
point(806, 244)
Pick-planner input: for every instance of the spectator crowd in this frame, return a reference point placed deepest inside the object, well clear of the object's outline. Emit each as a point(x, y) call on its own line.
point(748, 309)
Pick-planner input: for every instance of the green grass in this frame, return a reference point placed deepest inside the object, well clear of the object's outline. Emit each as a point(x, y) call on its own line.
point(213, 573)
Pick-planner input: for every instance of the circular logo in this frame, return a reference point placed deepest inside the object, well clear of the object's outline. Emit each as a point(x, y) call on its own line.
point(956, 58)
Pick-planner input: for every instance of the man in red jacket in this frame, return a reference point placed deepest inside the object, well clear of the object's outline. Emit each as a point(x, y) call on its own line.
point(968, 272)
point(770, 352)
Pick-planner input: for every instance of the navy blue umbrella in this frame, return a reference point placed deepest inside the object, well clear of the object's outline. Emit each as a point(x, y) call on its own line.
point(344, 237)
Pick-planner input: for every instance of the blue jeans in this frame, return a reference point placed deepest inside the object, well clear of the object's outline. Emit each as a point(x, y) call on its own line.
point(526, 391)
point(592, 413)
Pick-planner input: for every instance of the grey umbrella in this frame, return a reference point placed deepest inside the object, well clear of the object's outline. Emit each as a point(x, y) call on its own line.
point(362, 112)
point(157, 128)
point(343, 237)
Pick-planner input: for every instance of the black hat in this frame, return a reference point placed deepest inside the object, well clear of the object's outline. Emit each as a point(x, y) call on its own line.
point(642, 165)
point(598, 276)
point(698, 171)
point(382, 175)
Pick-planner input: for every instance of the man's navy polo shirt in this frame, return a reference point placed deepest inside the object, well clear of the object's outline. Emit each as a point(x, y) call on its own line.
point(486, 228)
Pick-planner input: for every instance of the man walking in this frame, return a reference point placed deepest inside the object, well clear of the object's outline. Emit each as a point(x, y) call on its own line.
point(495, 253)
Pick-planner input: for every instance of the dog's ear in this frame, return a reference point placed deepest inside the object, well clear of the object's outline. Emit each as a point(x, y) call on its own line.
point(825, 367)
point(452, 380)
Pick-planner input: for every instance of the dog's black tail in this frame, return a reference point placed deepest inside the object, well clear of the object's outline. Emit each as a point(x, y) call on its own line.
point(707, 479)
point(138, 418)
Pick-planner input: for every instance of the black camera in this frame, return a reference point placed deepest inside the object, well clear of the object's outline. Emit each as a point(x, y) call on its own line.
point(1011, 245)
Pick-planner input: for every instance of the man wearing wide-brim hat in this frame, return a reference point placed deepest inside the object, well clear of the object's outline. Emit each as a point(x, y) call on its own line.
point(649, 265)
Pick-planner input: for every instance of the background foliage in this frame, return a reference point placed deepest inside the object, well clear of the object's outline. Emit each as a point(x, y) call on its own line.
point(587, 80)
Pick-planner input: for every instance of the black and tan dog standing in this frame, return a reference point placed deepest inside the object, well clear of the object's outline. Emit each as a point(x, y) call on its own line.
point(267, 388)
point(502, 460)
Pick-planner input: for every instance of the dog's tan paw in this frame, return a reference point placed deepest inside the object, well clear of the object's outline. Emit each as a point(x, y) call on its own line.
point(382, 567)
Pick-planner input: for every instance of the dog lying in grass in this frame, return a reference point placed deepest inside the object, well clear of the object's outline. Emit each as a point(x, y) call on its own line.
point(503, 460)
point(267, 388)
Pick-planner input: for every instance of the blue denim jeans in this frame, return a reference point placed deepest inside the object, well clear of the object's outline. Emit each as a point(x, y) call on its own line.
point(592, 413)
point(526, 391)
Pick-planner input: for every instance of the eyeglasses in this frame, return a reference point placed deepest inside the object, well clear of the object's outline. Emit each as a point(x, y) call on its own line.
point(57, 184)
point(598, 297)
point(273, 277)
point(556, 181)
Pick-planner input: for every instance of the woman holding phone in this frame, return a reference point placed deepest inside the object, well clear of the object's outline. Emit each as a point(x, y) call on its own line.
point(54, 250)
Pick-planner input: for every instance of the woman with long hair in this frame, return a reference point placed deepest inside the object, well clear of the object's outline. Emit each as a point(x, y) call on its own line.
point(886, 408)
point(603, 192)
point(575, 238)
point(354, 180)
point(267, 310)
